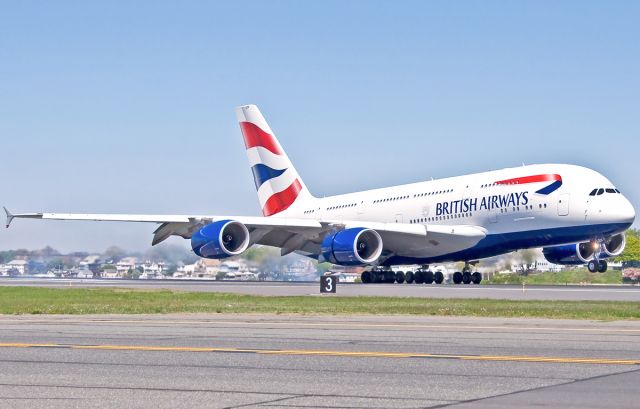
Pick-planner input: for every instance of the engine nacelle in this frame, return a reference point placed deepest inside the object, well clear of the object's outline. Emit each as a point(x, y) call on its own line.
point(352, 247)
point(221, 239)
point(614, 245)
point(579, 253)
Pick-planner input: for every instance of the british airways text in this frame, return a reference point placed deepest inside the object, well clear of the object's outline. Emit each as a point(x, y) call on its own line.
point(486, 203)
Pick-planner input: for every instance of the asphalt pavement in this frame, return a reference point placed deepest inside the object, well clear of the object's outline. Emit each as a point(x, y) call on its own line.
point(259, 361)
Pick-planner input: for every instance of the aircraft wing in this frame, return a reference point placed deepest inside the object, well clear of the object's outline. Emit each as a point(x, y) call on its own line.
point(303, 236)
point(184, 225)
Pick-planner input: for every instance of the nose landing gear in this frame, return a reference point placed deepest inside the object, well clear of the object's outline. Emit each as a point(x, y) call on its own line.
point(597, 266)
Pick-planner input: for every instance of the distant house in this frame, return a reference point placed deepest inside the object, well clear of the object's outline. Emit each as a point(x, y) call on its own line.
point(540, 264)
point(17, 267)
point(152, 269)
point(123, 266)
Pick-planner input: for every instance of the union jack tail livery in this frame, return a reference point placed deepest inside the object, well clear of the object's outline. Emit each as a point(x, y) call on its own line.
point(278, 183)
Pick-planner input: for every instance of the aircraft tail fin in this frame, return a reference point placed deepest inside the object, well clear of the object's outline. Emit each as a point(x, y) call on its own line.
point(277, 181)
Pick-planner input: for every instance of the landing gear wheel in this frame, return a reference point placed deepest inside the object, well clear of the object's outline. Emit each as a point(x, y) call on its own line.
point(377, 277)
point(389, 277)
point(457, 277)
point(602, 266)
point(476, 278)
point(365, 277)
point(592, 266)
point(466, 277)
point(400, 277)
point(418, 277)
point(438, 277)
point(428, 277)
point(408, 277)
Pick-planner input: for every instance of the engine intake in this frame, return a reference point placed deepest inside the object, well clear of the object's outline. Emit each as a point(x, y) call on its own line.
point(221, 239)
point(614, 245)
point(352, 247)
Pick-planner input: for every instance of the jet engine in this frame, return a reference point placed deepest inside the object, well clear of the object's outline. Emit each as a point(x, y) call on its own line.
point(221, 239)
point(579, 253)
point(582, 253)
point(352, 247)
point(614, 245)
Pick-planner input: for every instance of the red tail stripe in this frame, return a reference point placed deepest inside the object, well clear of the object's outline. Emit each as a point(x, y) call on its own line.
point(282, 200)
point(530, 179)
point(254, 136)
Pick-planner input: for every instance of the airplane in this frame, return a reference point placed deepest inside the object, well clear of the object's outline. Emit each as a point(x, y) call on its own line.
point(574, 213)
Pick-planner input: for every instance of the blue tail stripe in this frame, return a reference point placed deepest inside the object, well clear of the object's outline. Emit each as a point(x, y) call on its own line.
point(551, 188)
point(262, 173)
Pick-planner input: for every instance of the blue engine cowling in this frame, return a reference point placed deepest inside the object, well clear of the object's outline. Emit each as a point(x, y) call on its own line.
point(221, 239)
point(582, 253)
point(352, 247)
point(570, 254)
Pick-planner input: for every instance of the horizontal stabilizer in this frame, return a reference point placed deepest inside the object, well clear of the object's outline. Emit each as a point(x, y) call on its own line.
point(9, 216)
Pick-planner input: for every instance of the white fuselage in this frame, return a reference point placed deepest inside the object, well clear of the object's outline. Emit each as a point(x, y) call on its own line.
point(513, 212)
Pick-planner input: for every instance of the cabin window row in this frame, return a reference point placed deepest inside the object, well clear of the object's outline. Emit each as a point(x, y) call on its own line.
point(390, 199)
point(342, 206)
point(439, 218)
point(439, 192)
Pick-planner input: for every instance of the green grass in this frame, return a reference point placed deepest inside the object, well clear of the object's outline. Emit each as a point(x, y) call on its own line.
point(579, 276)
point(30, 300)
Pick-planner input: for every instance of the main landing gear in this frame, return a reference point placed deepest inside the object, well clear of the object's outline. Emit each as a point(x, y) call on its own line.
point(420, 276)
point(466, 276)
point(385, 275)
point(599, 266)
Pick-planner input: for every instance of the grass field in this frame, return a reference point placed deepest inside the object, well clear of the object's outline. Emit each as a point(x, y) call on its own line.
point(31, 300)
point(578, 276)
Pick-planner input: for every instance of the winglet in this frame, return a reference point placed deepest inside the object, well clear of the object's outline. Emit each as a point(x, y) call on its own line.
point(10, 216)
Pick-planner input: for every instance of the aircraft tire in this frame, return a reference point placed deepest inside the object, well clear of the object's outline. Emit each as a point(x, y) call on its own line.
point(365, 277)
point(457, 277)
point(466, 277)
point(592, 266)
point(418, 277)
point(389, 277)
point(602, 266)
point(476, 278)
point(400, 277)
point(428, 277)
point(408, 277)
point(438, 277)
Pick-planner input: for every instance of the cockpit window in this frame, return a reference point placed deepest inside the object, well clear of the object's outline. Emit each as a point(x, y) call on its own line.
point(593, 192)
point(617, 191)
point(609, 190)
point(600, 191)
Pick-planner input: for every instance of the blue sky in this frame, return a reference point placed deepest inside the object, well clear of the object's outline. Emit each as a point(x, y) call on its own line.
point(127, 107)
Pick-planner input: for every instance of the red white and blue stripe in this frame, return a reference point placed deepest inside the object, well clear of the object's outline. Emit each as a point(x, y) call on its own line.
point(276, 179)
point(556, 182)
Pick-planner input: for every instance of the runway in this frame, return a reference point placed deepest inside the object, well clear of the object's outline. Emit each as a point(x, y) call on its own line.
point(260, 361)
point(512, 292)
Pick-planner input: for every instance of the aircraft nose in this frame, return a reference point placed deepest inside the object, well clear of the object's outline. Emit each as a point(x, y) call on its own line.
point(626, 212)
